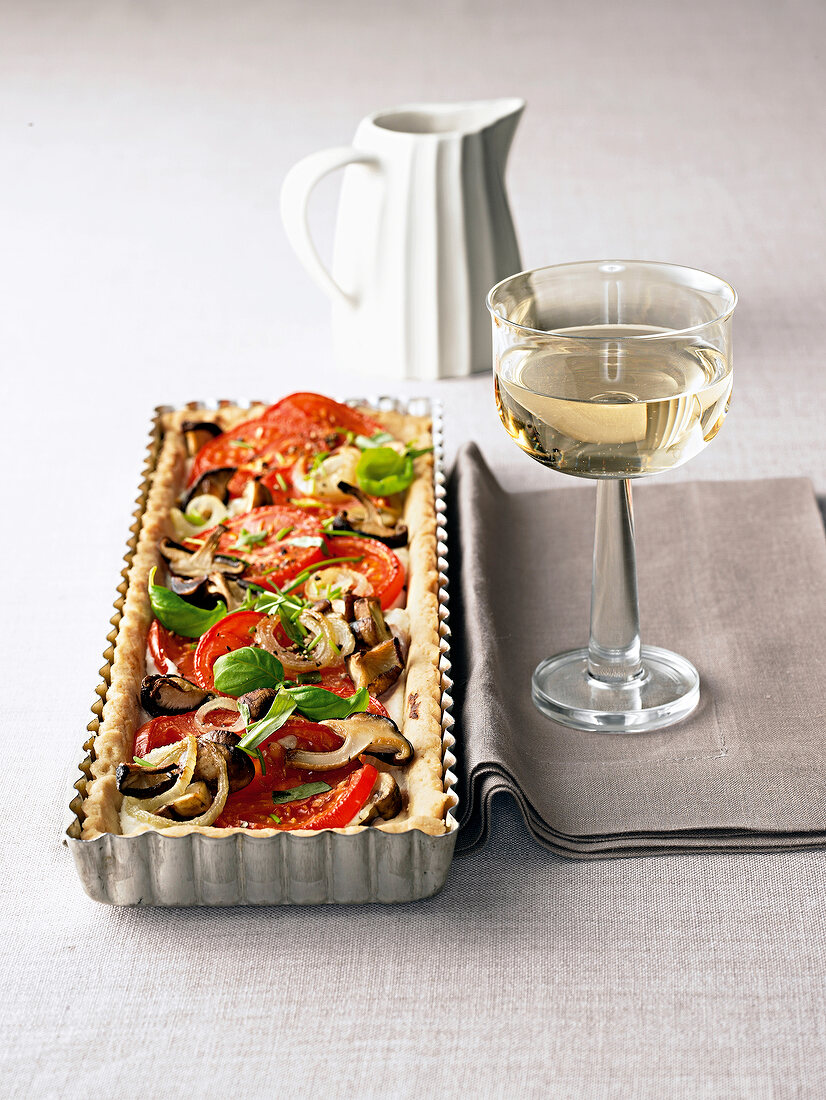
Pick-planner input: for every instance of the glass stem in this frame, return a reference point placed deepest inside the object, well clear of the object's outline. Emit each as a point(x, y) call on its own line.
point(614, 645)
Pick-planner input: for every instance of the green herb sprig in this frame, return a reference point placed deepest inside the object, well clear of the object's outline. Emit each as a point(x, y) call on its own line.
point(282, 707)
point(249, 538)
point(298, 794)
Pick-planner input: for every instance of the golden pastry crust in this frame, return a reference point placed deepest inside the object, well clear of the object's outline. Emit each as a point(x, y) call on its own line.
point(424, 797)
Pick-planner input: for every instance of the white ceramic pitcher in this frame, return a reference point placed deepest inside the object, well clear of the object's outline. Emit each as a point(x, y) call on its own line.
point(423, 232)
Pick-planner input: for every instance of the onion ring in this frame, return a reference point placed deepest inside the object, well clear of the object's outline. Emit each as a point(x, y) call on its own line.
point(317, 587)
point(188, 749)
point(219, 704)
point(289, 658)
point(211, 510)
point(137, 813)
point(323, 481)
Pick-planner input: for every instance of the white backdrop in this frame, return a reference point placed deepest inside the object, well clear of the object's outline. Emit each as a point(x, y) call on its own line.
point(142, 147)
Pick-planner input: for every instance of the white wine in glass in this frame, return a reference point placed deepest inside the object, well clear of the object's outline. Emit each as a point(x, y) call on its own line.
point(613, 370)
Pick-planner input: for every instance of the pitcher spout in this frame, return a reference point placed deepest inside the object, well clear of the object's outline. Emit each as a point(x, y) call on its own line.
point(499, 132)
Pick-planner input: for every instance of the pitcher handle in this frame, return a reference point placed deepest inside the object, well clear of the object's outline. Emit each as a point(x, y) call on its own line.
point(295, 196)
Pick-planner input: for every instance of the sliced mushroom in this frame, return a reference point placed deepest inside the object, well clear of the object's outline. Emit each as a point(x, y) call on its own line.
point(221, 744)
point(192, 589)
point(258, 702)
point(371, 524)
point(361, 733)
point(385, 801)
point(140, 782)
point(224, 588)
point(368, 623)
point(195, 800)
point(232, 591)
point(255, 495)
point(205, 591)
point(203, 561)
point(377, 668)
point(344, 606)
point(213, 482)
point(197, 433)
point(171, 695)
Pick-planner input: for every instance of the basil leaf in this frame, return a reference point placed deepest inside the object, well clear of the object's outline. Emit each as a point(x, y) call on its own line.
point(246, 670)
point(181, 617)
point(281, 709)
point(383, 471)
point(296, 794)
point(309, 678)
point(317, 703)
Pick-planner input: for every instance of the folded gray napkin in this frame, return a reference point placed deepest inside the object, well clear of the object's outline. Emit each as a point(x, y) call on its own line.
point(732, 575)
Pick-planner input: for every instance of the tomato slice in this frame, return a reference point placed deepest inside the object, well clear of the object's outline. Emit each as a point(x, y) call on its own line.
point(340, 805)
point(166, 647)
point(273, 561)
point(274, 480)
point(311, 736)
point(256, 445)
point(232, 632)
point(164, 731)
point(252, 806)
point(331, 809)
point(338, 680)
point(302, 424)
point(378, 563)
point(323, 412)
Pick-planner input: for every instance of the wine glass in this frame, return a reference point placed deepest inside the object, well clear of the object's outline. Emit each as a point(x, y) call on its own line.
point(613, 370)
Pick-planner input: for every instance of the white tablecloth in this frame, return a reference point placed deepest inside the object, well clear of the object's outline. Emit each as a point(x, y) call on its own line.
point(142, 261)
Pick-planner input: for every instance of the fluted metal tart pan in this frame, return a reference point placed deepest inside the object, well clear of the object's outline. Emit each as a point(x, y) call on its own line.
point(242, 869)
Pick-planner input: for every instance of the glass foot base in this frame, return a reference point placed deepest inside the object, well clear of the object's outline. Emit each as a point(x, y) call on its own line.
point(667, 691)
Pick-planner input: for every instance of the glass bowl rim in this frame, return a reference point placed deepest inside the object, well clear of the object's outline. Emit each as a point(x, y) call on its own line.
point(562, 335)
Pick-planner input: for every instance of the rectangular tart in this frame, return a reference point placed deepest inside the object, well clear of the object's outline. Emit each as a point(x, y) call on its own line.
point(416, 698)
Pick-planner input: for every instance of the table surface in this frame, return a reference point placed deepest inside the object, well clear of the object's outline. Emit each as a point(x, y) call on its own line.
point(142, 150)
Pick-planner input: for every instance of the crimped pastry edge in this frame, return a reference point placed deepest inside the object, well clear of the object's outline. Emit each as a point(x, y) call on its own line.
point(425, 798)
